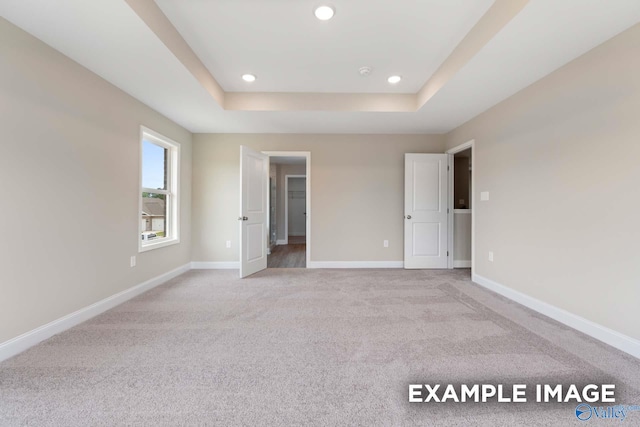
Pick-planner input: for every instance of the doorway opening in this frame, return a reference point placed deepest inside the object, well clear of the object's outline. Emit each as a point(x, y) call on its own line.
point(461, 204)
point(289, 208)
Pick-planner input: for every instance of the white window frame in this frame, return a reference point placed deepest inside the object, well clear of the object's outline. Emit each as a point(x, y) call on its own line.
point(172, 221)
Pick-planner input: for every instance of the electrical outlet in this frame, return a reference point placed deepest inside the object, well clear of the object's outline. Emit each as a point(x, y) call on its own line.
point(385, 243)
point(228, 244)
point(133, 261)
point(490, 256)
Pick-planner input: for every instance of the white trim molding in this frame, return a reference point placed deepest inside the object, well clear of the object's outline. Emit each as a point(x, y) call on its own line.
point(608, 336)
point(356, 264)
point(29, 339)
point(461, 264)
point(220, 265)
point(281, 242)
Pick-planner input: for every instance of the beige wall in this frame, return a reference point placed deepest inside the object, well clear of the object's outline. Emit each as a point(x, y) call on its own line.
point(357, 190)
point(70, 174)
point(561, 161)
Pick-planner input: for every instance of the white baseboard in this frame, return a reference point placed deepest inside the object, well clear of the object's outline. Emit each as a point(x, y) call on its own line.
point(29, 339)
point(356, 264)
point(297, 234)
point(281, 242)
point(461, 264)
point(228, 265)
point(599, 332)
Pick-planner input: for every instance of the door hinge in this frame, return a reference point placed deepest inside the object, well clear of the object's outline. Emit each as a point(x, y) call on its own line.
point(447, 167)
point(447, 253)
point(447, 210)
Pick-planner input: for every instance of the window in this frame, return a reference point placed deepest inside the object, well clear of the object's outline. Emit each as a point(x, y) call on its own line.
point(158, 191)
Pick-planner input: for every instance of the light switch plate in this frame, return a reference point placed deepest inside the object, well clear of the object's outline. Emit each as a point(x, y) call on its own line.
point(385, 243)
point(484, 196)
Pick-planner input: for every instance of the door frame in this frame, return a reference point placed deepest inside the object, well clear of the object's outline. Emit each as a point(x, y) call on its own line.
point(450, 153)
point(307, 156)
point(286, 205)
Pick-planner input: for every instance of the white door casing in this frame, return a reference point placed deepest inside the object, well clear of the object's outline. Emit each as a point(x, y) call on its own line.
point(425, 210)
point(254, 190)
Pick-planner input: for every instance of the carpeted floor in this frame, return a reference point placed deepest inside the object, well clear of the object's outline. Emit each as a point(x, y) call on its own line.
point(306, 347)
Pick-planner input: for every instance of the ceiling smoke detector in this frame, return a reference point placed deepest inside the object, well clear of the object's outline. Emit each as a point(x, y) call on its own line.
point(365, 71)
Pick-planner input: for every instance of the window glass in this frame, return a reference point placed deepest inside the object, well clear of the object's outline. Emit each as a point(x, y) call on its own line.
point(154, 166)
point(154, 216)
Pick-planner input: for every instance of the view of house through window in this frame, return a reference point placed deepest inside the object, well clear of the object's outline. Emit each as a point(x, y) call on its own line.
point(158, 222)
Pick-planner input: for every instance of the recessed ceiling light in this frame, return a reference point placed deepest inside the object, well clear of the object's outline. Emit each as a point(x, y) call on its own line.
point(394, 79)
point(249, 78)
point(324, 13)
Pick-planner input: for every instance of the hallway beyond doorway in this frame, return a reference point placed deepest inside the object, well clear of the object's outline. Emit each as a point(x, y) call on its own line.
point(292, 255)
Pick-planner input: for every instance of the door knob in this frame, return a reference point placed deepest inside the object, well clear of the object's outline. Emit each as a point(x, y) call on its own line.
point(243, 218)
point(408, 217)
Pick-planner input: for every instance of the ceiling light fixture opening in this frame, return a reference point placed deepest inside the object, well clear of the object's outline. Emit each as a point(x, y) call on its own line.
point(394, 79)
point(324, 13)
point(249, 78)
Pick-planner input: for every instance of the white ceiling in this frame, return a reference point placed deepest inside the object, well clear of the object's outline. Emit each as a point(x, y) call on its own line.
point(283, 43)
point(546, 35)
point(108, 38)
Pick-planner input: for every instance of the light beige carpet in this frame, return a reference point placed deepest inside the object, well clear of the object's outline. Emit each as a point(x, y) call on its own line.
point(305, 347)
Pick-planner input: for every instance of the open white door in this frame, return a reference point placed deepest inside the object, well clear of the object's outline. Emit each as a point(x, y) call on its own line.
point(254, 189)
point(425, 207)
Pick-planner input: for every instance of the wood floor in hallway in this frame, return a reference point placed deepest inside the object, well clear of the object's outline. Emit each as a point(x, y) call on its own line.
point(288, 256)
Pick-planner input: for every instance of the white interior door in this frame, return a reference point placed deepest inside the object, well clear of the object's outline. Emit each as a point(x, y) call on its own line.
point(425, 210)
point(254, 190)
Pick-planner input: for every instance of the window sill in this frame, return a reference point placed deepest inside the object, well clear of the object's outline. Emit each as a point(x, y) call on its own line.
point(157, 245)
